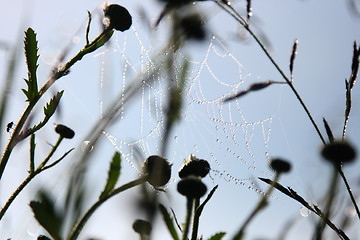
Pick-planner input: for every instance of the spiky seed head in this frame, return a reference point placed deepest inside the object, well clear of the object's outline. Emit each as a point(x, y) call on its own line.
point(194, 166)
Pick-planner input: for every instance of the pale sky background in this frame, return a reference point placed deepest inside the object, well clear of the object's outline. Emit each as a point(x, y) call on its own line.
point(325, 30)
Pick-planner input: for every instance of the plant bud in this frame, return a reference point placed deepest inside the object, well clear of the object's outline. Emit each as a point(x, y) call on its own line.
point(280, 166)
point(339, 152)
point(191, 187)
point(119, 17)
point(64, 131)
point(159, 170)
point(142, 227)
point(194, 166)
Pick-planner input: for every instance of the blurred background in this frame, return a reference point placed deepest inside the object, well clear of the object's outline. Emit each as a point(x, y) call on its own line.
point(237, 138)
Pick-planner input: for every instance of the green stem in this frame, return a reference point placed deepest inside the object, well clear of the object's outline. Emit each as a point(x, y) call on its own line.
point(260, 206)
point(330, 198)
point(196, 219)
point(16, 136)
point(349, 191)
point(80, 225)
point(189, 207)
point(30, 177)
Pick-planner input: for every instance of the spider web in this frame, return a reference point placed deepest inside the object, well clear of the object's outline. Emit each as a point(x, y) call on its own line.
point(209, 128)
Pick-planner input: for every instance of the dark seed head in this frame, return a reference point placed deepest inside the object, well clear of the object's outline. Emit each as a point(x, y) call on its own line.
point(194, 166)
point(43, 237)
point(280, 166)
point(119, 17)
point(142, 227)
point(64, 131)
point(339, 152)
point(193, 27)
point(191, 187)
point(159, 170)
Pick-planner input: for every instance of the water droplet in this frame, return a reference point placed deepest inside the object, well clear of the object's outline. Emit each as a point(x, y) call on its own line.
point(176, 139)
point(304, 212)
point(85, 146)
point(350, 211)
point(76, 39)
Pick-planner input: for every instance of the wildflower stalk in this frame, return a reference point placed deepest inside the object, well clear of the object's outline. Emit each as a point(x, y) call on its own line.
point(33, 174)
point(79, 226)
point(241, 20)
point(330, 198)
point(16, 136)
point(189, 208)
point(196, 219)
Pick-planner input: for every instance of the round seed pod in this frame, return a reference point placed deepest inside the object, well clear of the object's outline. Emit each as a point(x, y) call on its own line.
point(142, 227)
point(196, 167)
point(119, 17)
point(64, 131)
point(43, 237)
point(280, 166)
point(191, 187)
point(159, 170)
point(339, 152)
point(193, 27)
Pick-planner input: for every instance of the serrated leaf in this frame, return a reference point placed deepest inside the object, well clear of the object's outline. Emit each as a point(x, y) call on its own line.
point(217, 236)
point(169, 222)
point(113, 174)
point(47, 216)
point(31, 55)
point(49, 110)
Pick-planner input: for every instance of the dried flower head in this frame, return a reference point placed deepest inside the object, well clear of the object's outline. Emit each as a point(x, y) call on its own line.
point(194, 166)
point(119, 17)
point(158, 169)
point(64, 131)
point(280, 166)
point(339, 152)
point(142, 227)
point(191, 187)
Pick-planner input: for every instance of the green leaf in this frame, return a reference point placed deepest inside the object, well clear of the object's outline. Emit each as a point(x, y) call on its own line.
point(169, 222)
point(113, 174)
point(97, 43)
point(31, 55)
point(47, 216)
point(49, 110)
point(217, 236)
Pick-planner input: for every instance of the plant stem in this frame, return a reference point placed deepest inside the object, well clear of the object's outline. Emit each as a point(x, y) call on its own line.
point(189, 207)
point(30, 177)
point(79, 226)
point(330, 198)
point(349, 190)
point(261, 204)
point(238, 18)
point(16, 136)
point(196, 219)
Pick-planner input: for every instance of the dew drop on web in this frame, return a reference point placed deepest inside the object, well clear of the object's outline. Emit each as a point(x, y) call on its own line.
point(350, 211)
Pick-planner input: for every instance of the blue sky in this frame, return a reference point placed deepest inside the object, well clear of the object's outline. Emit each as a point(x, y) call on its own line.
point(325, 31)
